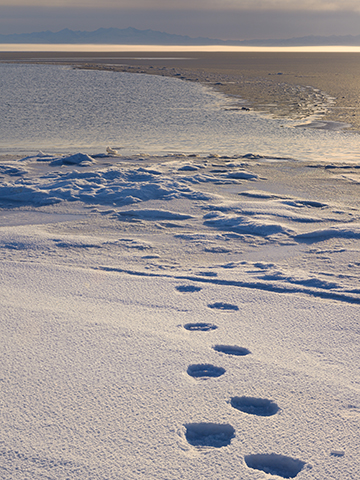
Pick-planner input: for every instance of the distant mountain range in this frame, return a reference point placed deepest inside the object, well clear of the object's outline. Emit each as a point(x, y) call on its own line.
point(133, 36)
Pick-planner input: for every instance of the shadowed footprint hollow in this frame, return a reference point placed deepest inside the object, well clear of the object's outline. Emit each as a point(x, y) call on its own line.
point(209, 434)
point(205, 370)
point(255, 406)
point(224, 306)
point(232, 350)
point(187, 288)
point(200, 327)
point(280, 465)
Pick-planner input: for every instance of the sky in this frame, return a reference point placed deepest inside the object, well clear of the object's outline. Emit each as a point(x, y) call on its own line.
point(225, 19)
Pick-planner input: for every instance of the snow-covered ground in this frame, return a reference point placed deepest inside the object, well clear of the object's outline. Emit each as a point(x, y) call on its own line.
point(179, 317)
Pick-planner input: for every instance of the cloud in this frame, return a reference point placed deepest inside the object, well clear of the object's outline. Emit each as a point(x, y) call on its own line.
point(222, 24)
point(198, 5)
point(291, 5)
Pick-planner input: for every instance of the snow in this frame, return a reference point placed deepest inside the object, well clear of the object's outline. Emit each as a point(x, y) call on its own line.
point(179, 317)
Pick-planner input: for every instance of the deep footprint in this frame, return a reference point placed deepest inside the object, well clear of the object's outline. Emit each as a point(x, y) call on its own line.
point(202, 327)
point(205, 370)
point(187, 288)
point(232, 350)
point(209, 434)
point(223, 306)
point(273, 464)
point(255, 406)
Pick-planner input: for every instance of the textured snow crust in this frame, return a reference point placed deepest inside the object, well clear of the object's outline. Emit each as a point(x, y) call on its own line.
point(167, 322)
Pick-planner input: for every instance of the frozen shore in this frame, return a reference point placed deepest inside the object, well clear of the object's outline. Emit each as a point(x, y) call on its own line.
point(295, 85)
point(178, 317)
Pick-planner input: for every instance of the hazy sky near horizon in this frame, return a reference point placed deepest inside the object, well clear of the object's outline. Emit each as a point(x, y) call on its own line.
point(227, 19)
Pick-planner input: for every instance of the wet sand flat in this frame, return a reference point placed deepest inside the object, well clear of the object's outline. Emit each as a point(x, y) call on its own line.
point(292, 84)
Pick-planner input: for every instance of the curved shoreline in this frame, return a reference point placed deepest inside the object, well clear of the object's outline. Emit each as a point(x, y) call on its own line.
point(315, 89)
point(299, 103)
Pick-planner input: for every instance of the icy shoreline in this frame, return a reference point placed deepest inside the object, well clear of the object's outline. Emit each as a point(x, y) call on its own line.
point(156, 115)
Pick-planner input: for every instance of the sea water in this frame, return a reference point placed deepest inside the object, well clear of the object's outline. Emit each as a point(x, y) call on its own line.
point(66, 110)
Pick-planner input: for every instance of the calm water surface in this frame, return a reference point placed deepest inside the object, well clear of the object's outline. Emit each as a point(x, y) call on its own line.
point(60, 109)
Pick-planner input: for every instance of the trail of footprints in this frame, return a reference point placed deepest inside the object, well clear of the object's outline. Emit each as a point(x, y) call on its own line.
point(205, 434)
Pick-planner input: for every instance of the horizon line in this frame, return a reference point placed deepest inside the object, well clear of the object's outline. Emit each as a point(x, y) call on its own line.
point(71, 47)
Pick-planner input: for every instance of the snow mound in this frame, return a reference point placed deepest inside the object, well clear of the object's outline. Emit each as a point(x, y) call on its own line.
point(243, 225)
point(77, 159)
point(328, 233)
point(148, 214)
point(118, 185)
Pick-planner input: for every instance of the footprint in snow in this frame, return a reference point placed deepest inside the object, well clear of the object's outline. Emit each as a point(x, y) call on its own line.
point(280, 465)
point(255, 406)
point(209, 434)
point(187, 288)
point(205, 370)
point(232, 350)
point(200, 327)
point(223, 306)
